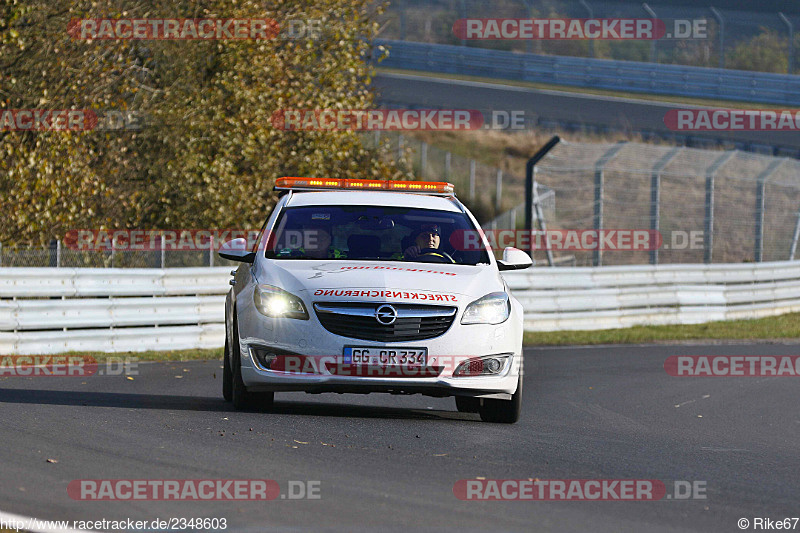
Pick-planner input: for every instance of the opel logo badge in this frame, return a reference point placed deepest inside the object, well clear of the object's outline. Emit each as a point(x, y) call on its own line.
point(386, 315)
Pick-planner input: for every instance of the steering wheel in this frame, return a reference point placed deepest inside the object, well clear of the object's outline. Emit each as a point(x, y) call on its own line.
point(435, 255)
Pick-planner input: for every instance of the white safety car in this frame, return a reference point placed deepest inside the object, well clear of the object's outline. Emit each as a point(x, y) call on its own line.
point(358, 286)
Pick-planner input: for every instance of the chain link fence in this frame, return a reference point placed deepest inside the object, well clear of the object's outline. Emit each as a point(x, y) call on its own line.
point(57, 255)
point(708, 206)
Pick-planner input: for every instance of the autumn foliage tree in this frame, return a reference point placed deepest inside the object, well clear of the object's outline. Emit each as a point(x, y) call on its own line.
point(206, 153)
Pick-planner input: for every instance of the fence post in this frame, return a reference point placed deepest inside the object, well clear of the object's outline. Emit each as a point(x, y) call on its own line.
point(758, 248)
point(400, 144)
point(530, 166)
point(542, 223)
point(1, 254)
point(463, 16)
point(708, 226)
point(53, 247)
point(211, 252)
point(599, 178)
point(447, 164)
point(377, 138)
point(498, 191)
point(471, 179)
point(402, 8)
point(423, 159)
point(591, 16)
point(655, 198)
point(721, 22)
point(163, 252)
point(790, 26)
point(653, 50)
point(795, 237)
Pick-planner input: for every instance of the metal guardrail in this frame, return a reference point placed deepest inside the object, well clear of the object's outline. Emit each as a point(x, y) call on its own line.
point(46, 310)
point(106, 310)
point(629, 76)
point(593, 298)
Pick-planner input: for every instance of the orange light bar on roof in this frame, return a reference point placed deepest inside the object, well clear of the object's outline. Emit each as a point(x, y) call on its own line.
point(316, 184)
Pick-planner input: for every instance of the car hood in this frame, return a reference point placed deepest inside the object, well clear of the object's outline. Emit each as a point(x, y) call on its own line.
point(433, 283)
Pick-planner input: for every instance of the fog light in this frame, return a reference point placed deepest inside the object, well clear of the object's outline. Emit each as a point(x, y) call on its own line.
point(482, 366)
point(492, 365)
point(264, 356)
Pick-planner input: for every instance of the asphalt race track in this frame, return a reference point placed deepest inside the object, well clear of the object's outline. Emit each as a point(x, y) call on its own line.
point(390, 463)
point(627, 114)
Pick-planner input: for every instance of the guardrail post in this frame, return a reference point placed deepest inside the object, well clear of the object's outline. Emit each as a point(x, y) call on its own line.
point(498, 190)
point(599, 178)
point(655, 197)
point(758, 248)
point(708, 226)
point(529, 185)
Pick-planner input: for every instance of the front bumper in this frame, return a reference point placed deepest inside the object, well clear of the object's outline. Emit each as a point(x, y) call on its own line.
point(321, 354)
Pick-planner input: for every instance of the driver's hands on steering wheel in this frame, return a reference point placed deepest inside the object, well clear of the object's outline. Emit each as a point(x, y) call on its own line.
point(412, 251)
point(439, 255)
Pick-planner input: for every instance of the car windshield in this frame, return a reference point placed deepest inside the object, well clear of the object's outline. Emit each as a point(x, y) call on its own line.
point(375, 233)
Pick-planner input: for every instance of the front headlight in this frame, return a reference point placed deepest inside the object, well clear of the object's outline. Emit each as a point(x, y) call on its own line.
point(493, 308)
point(277, 303)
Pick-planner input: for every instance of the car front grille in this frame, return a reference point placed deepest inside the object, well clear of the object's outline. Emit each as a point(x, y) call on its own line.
point(358, 321)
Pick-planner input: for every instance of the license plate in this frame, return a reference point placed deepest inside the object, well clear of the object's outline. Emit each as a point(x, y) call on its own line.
point(357, 355)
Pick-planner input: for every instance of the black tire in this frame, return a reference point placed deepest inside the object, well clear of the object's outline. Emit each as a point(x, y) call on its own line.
point(465, 404)
point(503, 411)
point(244, 400)
point(227, 374)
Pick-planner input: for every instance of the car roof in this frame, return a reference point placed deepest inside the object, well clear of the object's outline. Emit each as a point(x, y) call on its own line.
point(393, 199)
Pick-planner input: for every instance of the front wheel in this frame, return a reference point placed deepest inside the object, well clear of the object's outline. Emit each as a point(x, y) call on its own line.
point(242, 398)
point(465, 404)
point(227, 374)
point(503, 411)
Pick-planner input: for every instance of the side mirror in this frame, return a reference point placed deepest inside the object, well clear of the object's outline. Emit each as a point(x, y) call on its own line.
point(236, 250)
point(514, 259)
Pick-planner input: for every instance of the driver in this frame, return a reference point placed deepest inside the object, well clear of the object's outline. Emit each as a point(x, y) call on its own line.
point(429, 236)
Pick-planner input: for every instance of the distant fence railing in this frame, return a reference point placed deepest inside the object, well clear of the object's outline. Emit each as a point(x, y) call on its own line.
point(45, 311)
point(630, 76)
